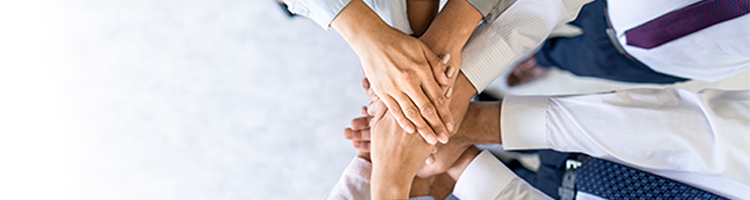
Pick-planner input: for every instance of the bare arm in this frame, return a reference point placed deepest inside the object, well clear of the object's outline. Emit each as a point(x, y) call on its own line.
point(399, 67)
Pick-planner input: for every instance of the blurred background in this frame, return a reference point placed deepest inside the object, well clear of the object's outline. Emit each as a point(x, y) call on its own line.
point(195, 99)
point(171, 99)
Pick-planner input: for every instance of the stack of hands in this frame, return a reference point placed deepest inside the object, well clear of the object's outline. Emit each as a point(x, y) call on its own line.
point(404, 164)
point(411, 89)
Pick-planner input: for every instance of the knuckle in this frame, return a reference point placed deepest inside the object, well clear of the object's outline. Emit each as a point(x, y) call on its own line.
point(440, 100)
point(428, 110)
point(410, 112)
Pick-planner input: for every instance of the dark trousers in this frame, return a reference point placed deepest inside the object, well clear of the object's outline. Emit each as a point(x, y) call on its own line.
point(593, 54)
point(551, 170)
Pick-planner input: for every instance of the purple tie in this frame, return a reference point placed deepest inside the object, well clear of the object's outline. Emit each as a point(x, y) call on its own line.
point(685, 21)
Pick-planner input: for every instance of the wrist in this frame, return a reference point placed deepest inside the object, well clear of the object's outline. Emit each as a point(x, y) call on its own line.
point(460, 165)
point(387, 185)
point(482, 121)
point(358, 24)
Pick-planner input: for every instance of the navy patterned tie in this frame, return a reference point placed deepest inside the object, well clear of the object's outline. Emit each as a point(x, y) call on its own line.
point(685, 21)
point(615, 181)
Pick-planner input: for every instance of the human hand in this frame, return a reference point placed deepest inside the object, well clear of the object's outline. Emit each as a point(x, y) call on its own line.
point(443, 157)
point(359, 131)
point(402, 71)
point(396, 158)
point(401, 79)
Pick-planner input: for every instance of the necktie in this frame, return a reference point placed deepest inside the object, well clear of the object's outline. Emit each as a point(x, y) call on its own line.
point(615, 181)
point(685, 21)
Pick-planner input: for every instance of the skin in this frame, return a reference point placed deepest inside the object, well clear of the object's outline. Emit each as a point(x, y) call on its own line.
point(403, 72)
point(420, 14)
point(397, 157)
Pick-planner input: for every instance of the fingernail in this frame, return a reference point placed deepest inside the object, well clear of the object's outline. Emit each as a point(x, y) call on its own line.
point(409, 129)
point(366, 84)
point(431, 139)
point(443, 138)
point(446, 58)
point(449, 93)
point(449, 125)
point(449, 72)
point(429, 161)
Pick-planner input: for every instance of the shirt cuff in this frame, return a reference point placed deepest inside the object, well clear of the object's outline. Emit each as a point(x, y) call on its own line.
point(359, 167)
point(484, 178)
point(484, 6)
point(523, 122)
point(482, 61)
point(320, 11)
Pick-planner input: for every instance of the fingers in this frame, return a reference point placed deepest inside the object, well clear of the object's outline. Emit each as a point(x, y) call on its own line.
point(360, 123)
point(363, 111)
point(361, 145)
point(430, 159)
point(365, 84)
point(415, 113)
point(439, 66)
point(397, 114)
point(441, 119)
point(357, 135)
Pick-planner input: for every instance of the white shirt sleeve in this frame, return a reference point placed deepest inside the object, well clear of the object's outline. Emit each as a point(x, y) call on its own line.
point(509, 33)
point(660, 129)
point(354, 182)
point(392, 12)
point(488, 178)
point(320, 11)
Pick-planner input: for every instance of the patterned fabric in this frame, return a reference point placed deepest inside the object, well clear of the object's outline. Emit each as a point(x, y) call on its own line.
point(615, 181)
point(685, 21)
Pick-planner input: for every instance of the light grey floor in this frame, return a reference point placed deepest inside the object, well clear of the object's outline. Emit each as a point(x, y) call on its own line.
point(212, 100)
point(199, 99)
point(188, 99)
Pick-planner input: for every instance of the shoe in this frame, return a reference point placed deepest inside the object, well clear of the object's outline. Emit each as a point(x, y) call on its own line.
point(526, 72)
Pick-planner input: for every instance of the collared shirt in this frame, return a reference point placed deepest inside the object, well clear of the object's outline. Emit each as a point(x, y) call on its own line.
point(711, 54)
point(699, 139)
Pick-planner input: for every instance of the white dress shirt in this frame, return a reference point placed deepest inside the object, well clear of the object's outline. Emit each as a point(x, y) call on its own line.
point(700, 139)
point(392, 12)
point(711, 54)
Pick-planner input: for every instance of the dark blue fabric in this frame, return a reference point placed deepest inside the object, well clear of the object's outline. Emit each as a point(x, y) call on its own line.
point(593, 54)
point(615, 181)
point(549, 176)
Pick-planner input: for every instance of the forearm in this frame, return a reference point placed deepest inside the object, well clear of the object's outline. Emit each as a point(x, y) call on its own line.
point(420, 14)
point(453, 26)
point(460, 165)
point(396, 188)
point(482, 123)
point(463, 91)
point(357, 23)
